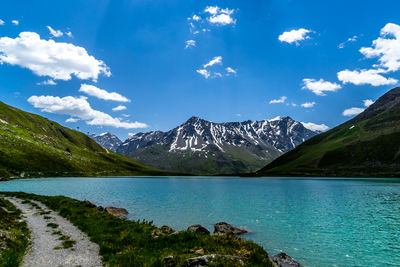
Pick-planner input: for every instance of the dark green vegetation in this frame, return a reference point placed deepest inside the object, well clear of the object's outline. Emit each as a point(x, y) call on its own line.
point(365, 146)
point(131, 243)
point(33, 146)
point(14, 235)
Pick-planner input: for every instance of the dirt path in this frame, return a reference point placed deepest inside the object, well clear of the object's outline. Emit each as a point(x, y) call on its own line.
point(55, 241)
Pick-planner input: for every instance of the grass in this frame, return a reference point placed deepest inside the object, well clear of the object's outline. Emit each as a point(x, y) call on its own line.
point(14, 235)
point(130, 243)
point(52, 225)
point(27, 141)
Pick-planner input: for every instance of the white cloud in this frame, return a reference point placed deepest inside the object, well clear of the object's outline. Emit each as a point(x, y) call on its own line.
point(69, 34)
point(190, 43)
point(15, 22)
point(205, 73)
point(119, 108)
point(213, 10)
point(315, 127)
point(72, 120)
point(349, 40)
point(2, 22)
point(320, 86)
point(57, 60)
point(368, 102)
point(55, 33)
point(385, 48)
point(230, 70)
point(102, 94)
point(294, 36)
point(372, 77)
point(352, 111)
point(282, 99)
point(47, 82)
point(215, 60)
point(80, 108)
point(196, 18)
point(308, 104)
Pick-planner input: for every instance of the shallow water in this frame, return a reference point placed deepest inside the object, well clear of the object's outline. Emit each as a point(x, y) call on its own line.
point(319, 222)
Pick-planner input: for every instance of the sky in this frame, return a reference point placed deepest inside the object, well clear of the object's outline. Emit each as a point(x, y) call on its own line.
point(128, 66)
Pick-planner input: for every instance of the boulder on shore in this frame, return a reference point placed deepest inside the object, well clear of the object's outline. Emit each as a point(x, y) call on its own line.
point(165, 229)
point(117, 212)
point(223, 228)
point(197, 228)
point(284, 260)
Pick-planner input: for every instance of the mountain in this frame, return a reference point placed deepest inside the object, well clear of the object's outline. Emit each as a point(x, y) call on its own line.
point(365, 146)
point(203, 147)
point(107, 140)
point(31, 146)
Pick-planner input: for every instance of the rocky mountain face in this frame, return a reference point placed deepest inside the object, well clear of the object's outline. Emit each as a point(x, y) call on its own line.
point(365, 146)
point(203, 147)
point(107, 140)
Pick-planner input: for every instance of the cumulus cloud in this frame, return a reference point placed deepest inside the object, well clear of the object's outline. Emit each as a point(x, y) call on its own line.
point(230, 70)
point(220, 16)
point(102, 94)
point(352, 111)
point(368, 102)
point(69, 34)
point(372, 77)
point(119, 108)
point(212, 62)
point(72, 120)
point(196, 18)
point(282, 99)
point(294, 36)
point(320, 86)
point(349, 40)
point(78, 107)
point(47, 82)
point(315, 127)
point(190, 43)
point(205, 73)
point(57, 60)
point(386, 48)
point(308, 104)
point(55, 33)
point(2, 22)
point(15, 22)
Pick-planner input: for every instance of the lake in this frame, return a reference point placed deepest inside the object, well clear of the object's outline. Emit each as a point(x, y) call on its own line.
point(317, 221)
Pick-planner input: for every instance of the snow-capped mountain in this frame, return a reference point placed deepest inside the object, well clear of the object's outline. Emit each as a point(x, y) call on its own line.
point(107, 140)
point(203, 147)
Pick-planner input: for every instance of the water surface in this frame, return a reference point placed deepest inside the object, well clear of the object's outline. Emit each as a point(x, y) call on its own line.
point(319, 222)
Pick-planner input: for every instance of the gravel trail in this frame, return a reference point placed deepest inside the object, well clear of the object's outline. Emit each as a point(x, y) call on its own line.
point(74, 248)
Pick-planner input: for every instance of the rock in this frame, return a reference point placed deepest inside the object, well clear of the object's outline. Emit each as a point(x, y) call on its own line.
point(200, 251)
point(223, 228)
point(284, 260)
point(170, 261)
point(117, 212)
point(197, 228)
point(166, 229)
point(100, 208)
point(204, 260)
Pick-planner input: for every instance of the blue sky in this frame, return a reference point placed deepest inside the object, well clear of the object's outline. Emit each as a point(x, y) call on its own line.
point(230, 65)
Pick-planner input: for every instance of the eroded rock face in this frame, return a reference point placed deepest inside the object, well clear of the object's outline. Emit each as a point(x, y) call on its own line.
point(197, 228)
point(223, 228)
point(284, 260)
point(117, 212)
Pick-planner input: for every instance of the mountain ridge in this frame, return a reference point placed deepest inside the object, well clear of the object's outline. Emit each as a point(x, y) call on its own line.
point(202, 147)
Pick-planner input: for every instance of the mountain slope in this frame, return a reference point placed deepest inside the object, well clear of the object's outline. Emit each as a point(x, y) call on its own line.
point(31, 145)
point(107, 140)
point(203, 147)
point(365, 146)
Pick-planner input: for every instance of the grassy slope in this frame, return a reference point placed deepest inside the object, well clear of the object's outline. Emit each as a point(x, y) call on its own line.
point(31, 145)
point(130, 243)
point(14, 235)
point(369, 149)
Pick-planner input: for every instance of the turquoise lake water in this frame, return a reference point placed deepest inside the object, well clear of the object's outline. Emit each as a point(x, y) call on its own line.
point(319, 222)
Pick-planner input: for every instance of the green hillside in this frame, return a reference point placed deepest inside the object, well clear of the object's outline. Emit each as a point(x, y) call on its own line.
point(31, 146)
point(365, 146)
